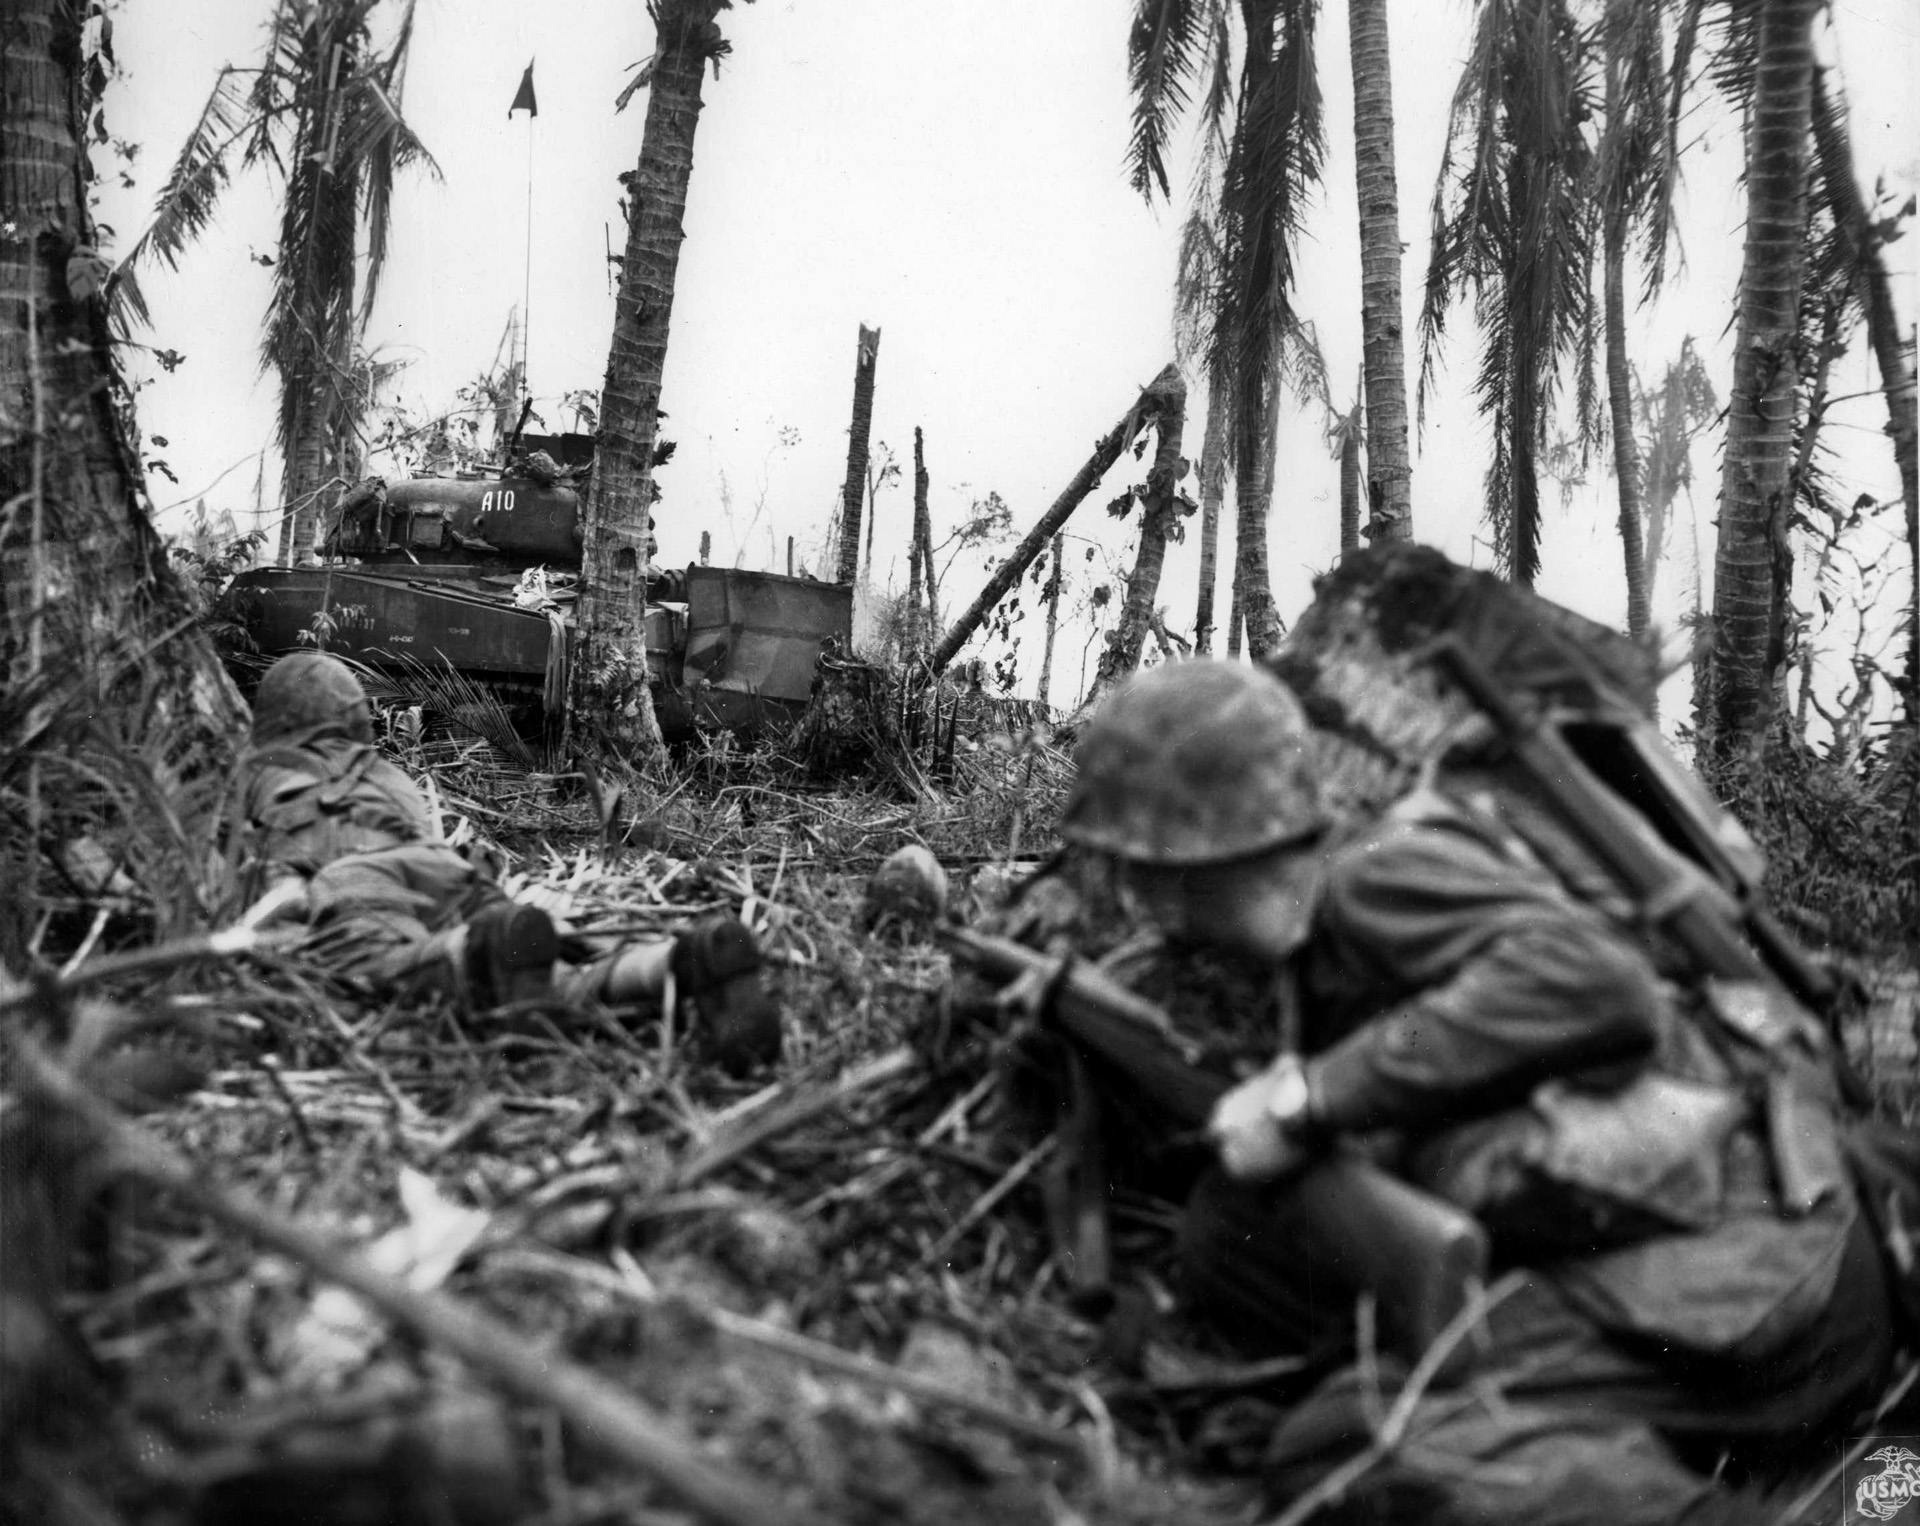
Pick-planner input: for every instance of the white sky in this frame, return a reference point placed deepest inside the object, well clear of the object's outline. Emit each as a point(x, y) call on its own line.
point(950, 172)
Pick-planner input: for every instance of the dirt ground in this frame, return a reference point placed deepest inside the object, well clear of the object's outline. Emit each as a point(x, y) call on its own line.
point(827, 1287)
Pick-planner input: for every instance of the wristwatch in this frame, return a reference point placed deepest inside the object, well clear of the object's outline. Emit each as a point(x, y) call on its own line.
point(1290, 1100)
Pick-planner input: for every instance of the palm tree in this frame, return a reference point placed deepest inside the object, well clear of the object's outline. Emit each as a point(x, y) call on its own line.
point(1631, 172)
point(1513, 221)
point(322, 108)
point(87, 600)
point(1389, 470)
point(611, 662)
point(1753, 559)
point(1162, 506)
point(1862, 238)
point(1264, 134)
point(1668, 420)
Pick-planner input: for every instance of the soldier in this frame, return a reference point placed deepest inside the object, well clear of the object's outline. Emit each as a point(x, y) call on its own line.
point(1660, 1298)
point(397, 907)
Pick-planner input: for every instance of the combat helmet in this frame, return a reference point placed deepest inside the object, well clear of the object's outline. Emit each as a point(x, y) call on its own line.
point(305, 693)
point(1192, 763)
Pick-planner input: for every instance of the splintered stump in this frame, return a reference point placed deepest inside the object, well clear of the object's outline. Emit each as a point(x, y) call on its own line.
point(849, 723)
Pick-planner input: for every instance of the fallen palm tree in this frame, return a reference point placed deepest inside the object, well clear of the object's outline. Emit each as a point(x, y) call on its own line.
point(1165, 393)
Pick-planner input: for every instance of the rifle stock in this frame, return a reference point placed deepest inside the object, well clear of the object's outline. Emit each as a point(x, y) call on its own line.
point(1419, 1255)
point(1680, 898)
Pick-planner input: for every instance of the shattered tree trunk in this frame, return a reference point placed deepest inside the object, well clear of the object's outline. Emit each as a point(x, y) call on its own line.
point(917, 626)
point(1045, 690)
point(929, 583)
point(85, 588)
point(1145, 411)
point(611, 694)
point(1213, 488)
point(858, 433)
point(1159, 512)
point(1753, 561)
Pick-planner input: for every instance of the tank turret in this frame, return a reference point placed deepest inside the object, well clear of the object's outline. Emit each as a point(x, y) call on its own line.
point(499, 522)
point(452, 569)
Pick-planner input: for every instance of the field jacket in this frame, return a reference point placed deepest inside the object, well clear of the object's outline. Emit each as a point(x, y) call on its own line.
point(335, 811)
point(1540, 1073)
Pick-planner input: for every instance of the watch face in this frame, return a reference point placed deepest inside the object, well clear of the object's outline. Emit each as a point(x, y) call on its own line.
point(1287, 1103)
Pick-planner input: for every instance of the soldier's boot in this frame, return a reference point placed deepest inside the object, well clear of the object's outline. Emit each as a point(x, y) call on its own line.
point(717, 970)
point(508, 956)
point(719, 967)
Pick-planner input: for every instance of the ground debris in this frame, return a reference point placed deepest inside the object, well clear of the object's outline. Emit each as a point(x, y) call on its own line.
point(830, 1314)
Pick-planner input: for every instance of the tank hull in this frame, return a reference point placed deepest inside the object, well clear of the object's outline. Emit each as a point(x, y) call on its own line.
point(739, 654)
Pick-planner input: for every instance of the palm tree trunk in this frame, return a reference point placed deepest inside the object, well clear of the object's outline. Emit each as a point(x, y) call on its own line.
point(1350, 489)
point(858, 434)
point(1253, 583)
point(1626, 451)
point(611, 683)
point(85, 589)
point(1236, 617)
point(1389, 467)
point(1883, 332)
point(1054, 579)
point(305, 482)
point(1213, 487)
point(1147, 407)
point(1753, 563)
point(1159, 511)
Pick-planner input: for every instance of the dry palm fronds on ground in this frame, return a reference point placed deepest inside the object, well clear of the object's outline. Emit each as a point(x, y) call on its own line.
point(792, 1285)
point(601, 1283)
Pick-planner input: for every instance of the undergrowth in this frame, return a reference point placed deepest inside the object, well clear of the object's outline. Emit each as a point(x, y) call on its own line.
point(1841, 835)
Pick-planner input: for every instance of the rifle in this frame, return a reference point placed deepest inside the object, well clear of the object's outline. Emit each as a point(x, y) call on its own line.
point(1421, 1256)
point(1700, 913)
point(1758, 1002)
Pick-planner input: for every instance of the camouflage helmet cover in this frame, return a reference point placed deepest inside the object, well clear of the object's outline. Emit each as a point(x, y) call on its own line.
point(307, 692)
point(1195, 763)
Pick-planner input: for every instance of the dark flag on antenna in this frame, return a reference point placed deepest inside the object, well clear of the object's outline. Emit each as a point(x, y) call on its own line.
point(523, 98)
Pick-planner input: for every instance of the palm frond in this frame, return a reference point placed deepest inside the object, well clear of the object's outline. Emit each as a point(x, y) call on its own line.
point(1636, 163)
point(1216, 109)
point(1271, 171)
point(1303, 364)
point(1163, 53)
point(384, 142)
point(463, 705)
point(1733, 61)
point(187, 201)
point(1515, 225)
point(1195, 284)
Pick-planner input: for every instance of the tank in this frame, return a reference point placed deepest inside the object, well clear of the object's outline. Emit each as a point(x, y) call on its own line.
point(451, 569)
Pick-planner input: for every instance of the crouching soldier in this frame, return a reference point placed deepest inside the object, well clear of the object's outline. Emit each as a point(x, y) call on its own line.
point(1665, 1291)
point(393, 906)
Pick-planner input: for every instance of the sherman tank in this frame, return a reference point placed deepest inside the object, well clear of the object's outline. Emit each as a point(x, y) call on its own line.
point(462, 570)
